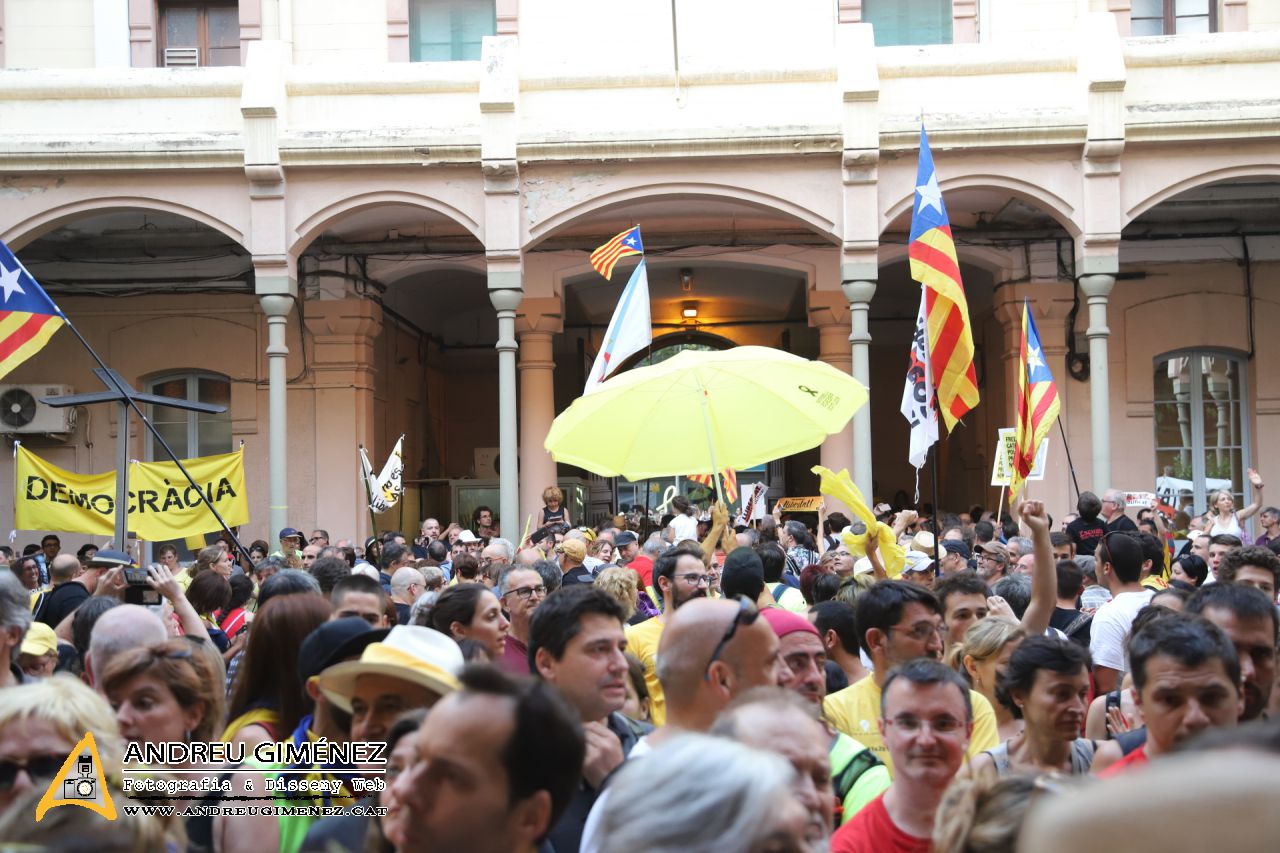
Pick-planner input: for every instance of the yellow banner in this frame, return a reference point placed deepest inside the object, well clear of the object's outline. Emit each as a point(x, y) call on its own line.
point(162, 504)
point(800, 504)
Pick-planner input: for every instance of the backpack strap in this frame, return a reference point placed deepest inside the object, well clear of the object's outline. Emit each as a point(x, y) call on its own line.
point(777, 590)
point(844, 781)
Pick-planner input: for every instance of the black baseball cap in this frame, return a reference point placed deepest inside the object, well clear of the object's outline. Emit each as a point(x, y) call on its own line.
point(957, 546)
point(626, 537)
point(334, 642)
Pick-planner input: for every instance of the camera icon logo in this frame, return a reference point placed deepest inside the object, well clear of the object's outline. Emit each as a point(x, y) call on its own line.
point(79, 783)
point(84, 785)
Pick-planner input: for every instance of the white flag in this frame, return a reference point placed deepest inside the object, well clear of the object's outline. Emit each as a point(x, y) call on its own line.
point(386, 488)
point(629, 331)
point(919, 397)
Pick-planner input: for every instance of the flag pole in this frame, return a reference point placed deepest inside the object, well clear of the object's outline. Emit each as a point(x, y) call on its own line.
point(373, 519)
point(937, 533)
point(1070, 465)
point(109, 378)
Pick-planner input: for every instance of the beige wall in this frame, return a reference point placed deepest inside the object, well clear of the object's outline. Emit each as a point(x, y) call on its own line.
point(47, 33)
point(346, 32)
point(1264, 14)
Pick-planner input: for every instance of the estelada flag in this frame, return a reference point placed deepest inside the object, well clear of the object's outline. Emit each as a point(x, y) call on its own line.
point(728, 482)
point(607, 256)
point(933, 263)
point(28, 317)
point(1038, 403)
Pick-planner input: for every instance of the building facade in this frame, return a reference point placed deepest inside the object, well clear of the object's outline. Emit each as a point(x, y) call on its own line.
point(352, 220)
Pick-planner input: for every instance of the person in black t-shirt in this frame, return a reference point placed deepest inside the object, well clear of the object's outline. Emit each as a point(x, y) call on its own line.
point(1087, 530)
point(1113, 507)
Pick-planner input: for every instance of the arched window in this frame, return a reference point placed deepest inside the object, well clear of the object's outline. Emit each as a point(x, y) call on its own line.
point(190, 433)
point(1202, 426)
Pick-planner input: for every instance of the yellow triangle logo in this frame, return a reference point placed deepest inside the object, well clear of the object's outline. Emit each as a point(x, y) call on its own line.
point(80, 782)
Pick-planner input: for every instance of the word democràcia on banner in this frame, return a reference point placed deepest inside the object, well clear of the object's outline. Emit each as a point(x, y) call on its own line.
point(162, 504)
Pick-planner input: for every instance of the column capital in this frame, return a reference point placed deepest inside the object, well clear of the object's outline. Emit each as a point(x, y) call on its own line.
point(275, 306)
point(541, 315)
point(859, 290)
point(1097, 286)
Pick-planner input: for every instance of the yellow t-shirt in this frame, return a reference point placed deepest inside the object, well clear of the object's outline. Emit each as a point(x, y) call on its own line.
point(856, 712)
point(642, 641)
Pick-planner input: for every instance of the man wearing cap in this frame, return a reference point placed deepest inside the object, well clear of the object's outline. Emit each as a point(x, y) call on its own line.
point(572, 554)
point(857, 776)
point(993, 561)
point(332, 643)
point(290, 543)
point(955, 557)
point(576, 642)
point(412, 667)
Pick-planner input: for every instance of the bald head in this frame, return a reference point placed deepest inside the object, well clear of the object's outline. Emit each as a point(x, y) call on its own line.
point(406, 584)
point(63, 568)
point(527, 557)
point(119, 630)
point(696, 689)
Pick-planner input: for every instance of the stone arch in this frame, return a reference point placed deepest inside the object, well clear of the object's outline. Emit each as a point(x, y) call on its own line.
point(985, 258)
point(1059, 208)
point(1270, 170)
point(682, 190)
point(311, 227)
point(43, 223)
point(761, 260)
point(478, 266)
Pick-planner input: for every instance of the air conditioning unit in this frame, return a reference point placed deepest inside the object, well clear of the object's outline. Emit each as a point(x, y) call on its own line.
point(182, 57)
point(486, 463)
point(22, 413)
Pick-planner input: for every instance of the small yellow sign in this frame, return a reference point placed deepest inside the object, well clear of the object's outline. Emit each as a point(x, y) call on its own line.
point(800, 504)
point(80, 782)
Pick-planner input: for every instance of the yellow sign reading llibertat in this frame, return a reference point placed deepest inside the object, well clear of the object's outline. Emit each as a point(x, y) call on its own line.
point(162, 503)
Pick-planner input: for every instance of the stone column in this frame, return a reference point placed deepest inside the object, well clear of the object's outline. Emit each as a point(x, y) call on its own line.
point(277, 310)
point(505, 294)
point(859, 292)
point(538, 324)
point(1097, 288)
point(342, 365)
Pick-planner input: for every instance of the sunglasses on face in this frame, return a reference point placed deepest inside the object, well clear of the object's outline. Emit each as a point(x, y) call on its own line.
point(38, 767)
point(747, 615)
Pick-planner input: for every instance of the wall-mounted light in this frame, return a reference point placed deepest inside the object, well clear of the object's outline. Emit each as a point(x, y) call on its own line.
point(686, 280)
point(690, 311)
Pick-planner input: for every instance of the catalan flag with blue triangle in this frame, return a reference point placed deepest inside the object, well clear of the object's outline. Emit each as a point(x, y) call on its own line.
point(28, 317)
point(932, 251)
point(1037, 405)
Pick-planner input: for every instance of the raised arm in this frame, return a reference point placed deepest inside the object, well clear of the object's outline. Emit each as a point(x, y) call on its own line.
point(873, 553)
point(163, 581)
point(1044, 576)
point(822, 528)
point(719, 520)
point(1256, 479)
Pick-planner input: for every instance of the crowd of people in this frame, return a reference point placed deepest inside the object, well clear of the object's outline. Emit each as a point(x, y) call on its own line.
point(672, 684)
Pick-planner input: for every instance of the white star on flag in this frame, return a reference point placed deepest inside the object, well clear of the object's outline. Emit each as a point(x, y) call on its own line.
point(1034, 358)
point(930, 195)
point(9, 281)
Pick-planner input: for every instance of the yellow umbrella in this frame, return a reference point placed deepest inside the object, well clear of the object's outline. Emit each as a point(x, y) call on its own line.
point(700, 412)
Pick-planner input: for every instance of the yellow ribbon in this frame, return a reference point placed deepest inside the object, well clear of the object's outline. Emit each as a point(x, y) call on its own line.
point(840, 486)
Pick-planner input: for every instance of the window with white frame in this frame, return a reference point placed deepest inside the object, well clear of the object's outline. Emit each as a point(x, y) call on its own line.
point(908, 21)
point(190, 434)
point(1202, 427)
point(449, 30)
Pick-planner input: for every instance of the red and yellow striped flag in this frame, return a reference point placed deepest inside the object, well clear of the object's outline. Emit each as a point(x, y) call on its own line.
point(1038, 403)
point(933, 263)
point(607, 256)
point(728, 482)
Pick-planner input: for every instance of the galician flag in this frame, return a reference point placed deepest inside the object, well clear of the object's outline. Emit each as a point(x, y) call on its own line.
point(629, 331)
point(919, 398)
point(386, 488)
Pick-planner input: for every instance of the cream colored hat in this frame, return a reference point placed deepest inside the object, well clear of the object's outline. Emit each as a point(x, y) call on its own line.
point(410, 653)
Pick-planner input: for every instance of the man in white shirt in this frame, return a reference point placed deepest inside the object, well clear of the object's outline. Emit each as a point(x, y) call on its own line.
point(1119, 560)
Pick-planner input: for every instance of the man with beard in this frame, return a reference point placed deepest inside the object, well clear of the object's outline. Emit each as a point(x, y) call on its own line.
point(898, 621)
point(1248, 619)
point(678, 576)
point(856, 776)
point(926, 722)
point(576, 642)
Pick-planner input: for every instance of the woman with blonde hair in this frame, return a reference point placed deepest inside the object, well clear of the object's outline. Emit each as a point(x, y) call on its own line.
point(982, 656)
point(602, 550)
point(623, 585)
point(1222, 516)
point(211, 558)
point(984, 814)
point(39, 726)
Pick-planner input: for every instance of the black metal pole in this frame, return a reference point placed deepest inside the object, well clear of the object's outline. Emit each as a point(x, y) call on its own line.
point(937, 532)
point(1070, 465)
point(373, 519)
point(133, 404)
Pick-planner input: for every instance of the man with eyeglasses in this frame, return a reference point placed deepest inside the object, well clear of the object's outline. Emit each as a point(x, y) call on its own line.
point(1113, 507)
point(521, 590)
point(926, 721)
point(679, 576)
point(406, 585)
point(897, 621)
point(319, 537)
point(1119, 566)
